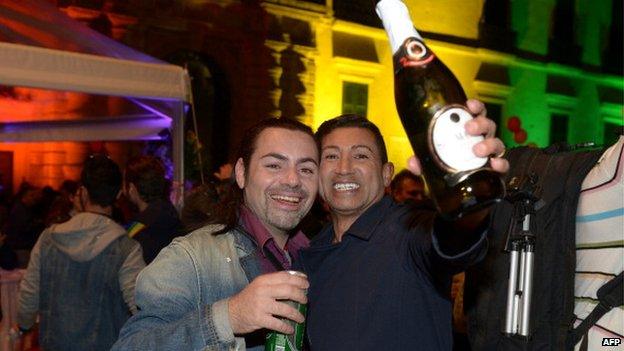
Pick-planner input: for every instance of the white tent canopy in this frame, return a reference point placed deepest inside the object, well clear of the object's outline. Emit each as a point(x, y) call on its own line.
point(62, 70)
point(121, 94)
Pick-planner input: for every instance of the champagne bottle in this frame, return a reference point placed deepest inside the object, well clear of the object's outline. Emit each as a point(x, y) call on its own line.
point(430, 102)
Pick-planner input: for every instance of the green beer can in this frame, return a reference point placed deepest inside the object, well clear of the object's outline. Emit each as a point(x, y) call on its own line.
point(276, 341)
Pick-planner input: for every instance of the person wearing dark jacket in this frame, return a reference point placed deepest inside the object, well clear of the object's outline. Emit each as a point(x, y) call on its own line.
point(81, 274)
point(158, 222)
point(380, 272)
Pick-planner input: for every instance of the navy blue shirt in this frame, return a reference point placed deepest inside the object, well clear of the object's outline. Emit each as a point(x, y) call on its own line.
point(386, 285)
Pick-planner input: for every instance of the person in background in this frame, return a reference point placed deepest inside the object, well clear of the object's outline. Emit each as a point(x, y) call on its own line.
point(81, 275)
point(577, 200)
point(23, 226)
point(146, 186)
point(599, 257)
point(65, 205)
point(380, 273)
point(221, 286)
point(200, 207)
point(8, 258)
point(407, 186)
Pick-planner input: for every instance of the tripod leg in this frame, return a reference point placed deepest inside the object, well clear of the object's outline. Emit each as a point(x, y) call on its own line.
point(527, 291)
point(511, 323)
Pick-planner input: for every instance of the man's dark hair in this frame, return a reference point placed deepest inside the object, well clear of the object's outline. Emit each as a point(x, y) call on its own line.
point(69, 187)
point(102, 179)
point(250, 138)
point(352, 121)
point(398, 179)
point(148, 175)
point(227, 210)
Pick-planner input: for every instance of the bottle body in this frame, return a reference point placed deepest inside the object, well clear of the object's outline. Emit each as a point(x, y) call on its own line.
point(430, 102)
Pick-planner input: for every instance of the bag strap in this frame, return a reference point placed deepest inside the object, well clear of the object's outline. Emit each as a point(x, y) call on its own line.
point(610, 295)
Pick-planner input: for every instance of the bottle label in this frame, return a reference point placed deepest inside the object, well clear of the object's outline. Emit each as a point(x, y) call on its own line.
point(451, 145)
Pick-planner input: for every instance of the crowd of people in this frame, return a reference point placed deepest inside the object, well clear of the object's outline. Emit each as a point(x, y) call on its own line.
point(378, 261)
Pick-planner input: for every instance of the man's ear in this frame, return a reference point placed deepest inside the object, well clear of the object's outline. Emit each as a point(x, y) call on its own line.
point(387, 172)
point(239, 171)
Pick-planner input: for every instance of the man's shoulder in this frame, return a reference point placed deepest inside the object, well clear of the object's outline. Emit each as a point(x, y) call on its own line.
point(206, 235)
point(408, 217)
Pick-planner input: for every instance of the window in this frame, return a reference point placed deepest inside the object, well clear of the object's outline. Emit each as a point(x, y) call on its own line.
point(558, 128)
point(354, 98)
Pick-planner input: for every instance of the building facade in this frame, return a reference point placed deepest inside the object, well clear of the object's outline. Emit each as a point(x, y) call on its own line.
point(551, 67)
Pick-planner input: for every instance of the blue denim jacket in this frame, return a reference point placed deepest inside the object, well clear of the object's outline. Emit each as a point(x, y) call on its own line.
point(81, 304)
point(183, 294)
point(80, 280)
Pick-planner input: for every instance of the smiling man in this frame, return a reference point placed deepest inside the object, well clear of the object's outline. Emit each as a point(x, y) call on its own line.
point(219, 288)
point(380, 273)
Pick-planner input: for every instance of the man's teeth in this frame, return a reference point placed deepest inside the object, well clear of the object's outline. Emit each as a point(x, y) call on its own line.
point(346, 186)
point(286, 198)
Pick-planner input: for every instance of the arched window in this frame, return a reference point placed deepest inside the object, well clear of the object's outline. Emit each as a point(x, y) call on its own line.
point(211, 126)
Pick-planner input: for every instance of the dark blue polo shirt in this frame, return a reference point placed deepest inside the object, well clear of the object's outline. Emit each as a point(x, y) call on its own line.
point(385, 286)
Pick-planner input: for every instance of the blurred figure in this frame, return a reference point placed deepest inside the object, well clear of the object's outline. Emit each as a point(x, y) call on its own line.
point(81, 274)
point(23, 225)
point(222, 180)
point(44, 205)
point(201, 204)
point(65, 205)
point(8, 258)
point(157, 223)
point(224, 173)
point(200, 207)
point(407, 186)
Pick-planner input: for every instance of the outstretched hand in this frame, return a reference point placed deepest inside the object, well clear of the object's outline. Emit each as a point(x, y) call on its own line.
point(490, 146)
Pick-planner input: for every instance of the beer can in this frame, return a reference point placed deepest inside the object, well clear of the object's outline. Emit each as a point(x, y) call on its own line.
point(276, 341)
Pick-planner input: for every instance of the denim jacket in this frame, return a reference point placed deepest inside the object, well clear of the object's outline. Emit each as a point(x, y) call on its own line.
point(183, 294)
point(80, 280)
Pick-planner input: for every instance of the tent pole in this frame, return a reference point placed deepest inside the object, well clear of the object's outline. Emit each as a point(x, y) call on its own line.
point(178, 157)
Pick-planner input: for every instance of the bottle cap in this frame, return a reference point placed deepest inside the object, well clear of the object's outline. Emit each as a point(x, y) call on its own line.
point(397, 22)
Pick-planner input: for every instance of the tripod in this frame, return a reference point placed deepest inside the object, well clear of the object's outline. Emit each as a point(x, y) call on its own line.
point(521, 246)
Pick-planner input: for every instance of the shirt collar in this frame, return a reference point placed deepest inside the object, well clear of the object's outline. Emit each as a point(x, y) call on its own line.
point(262, 236)
point(254, 226)
point(364, 226)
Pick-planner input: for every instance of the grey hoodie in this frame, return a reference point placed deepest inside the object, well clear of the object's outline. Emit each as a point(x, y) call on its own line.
point(82, 238)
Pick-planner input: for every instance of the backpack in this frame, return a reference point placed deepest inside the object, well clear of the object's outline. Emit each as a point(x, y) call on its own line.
point(560, 175)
